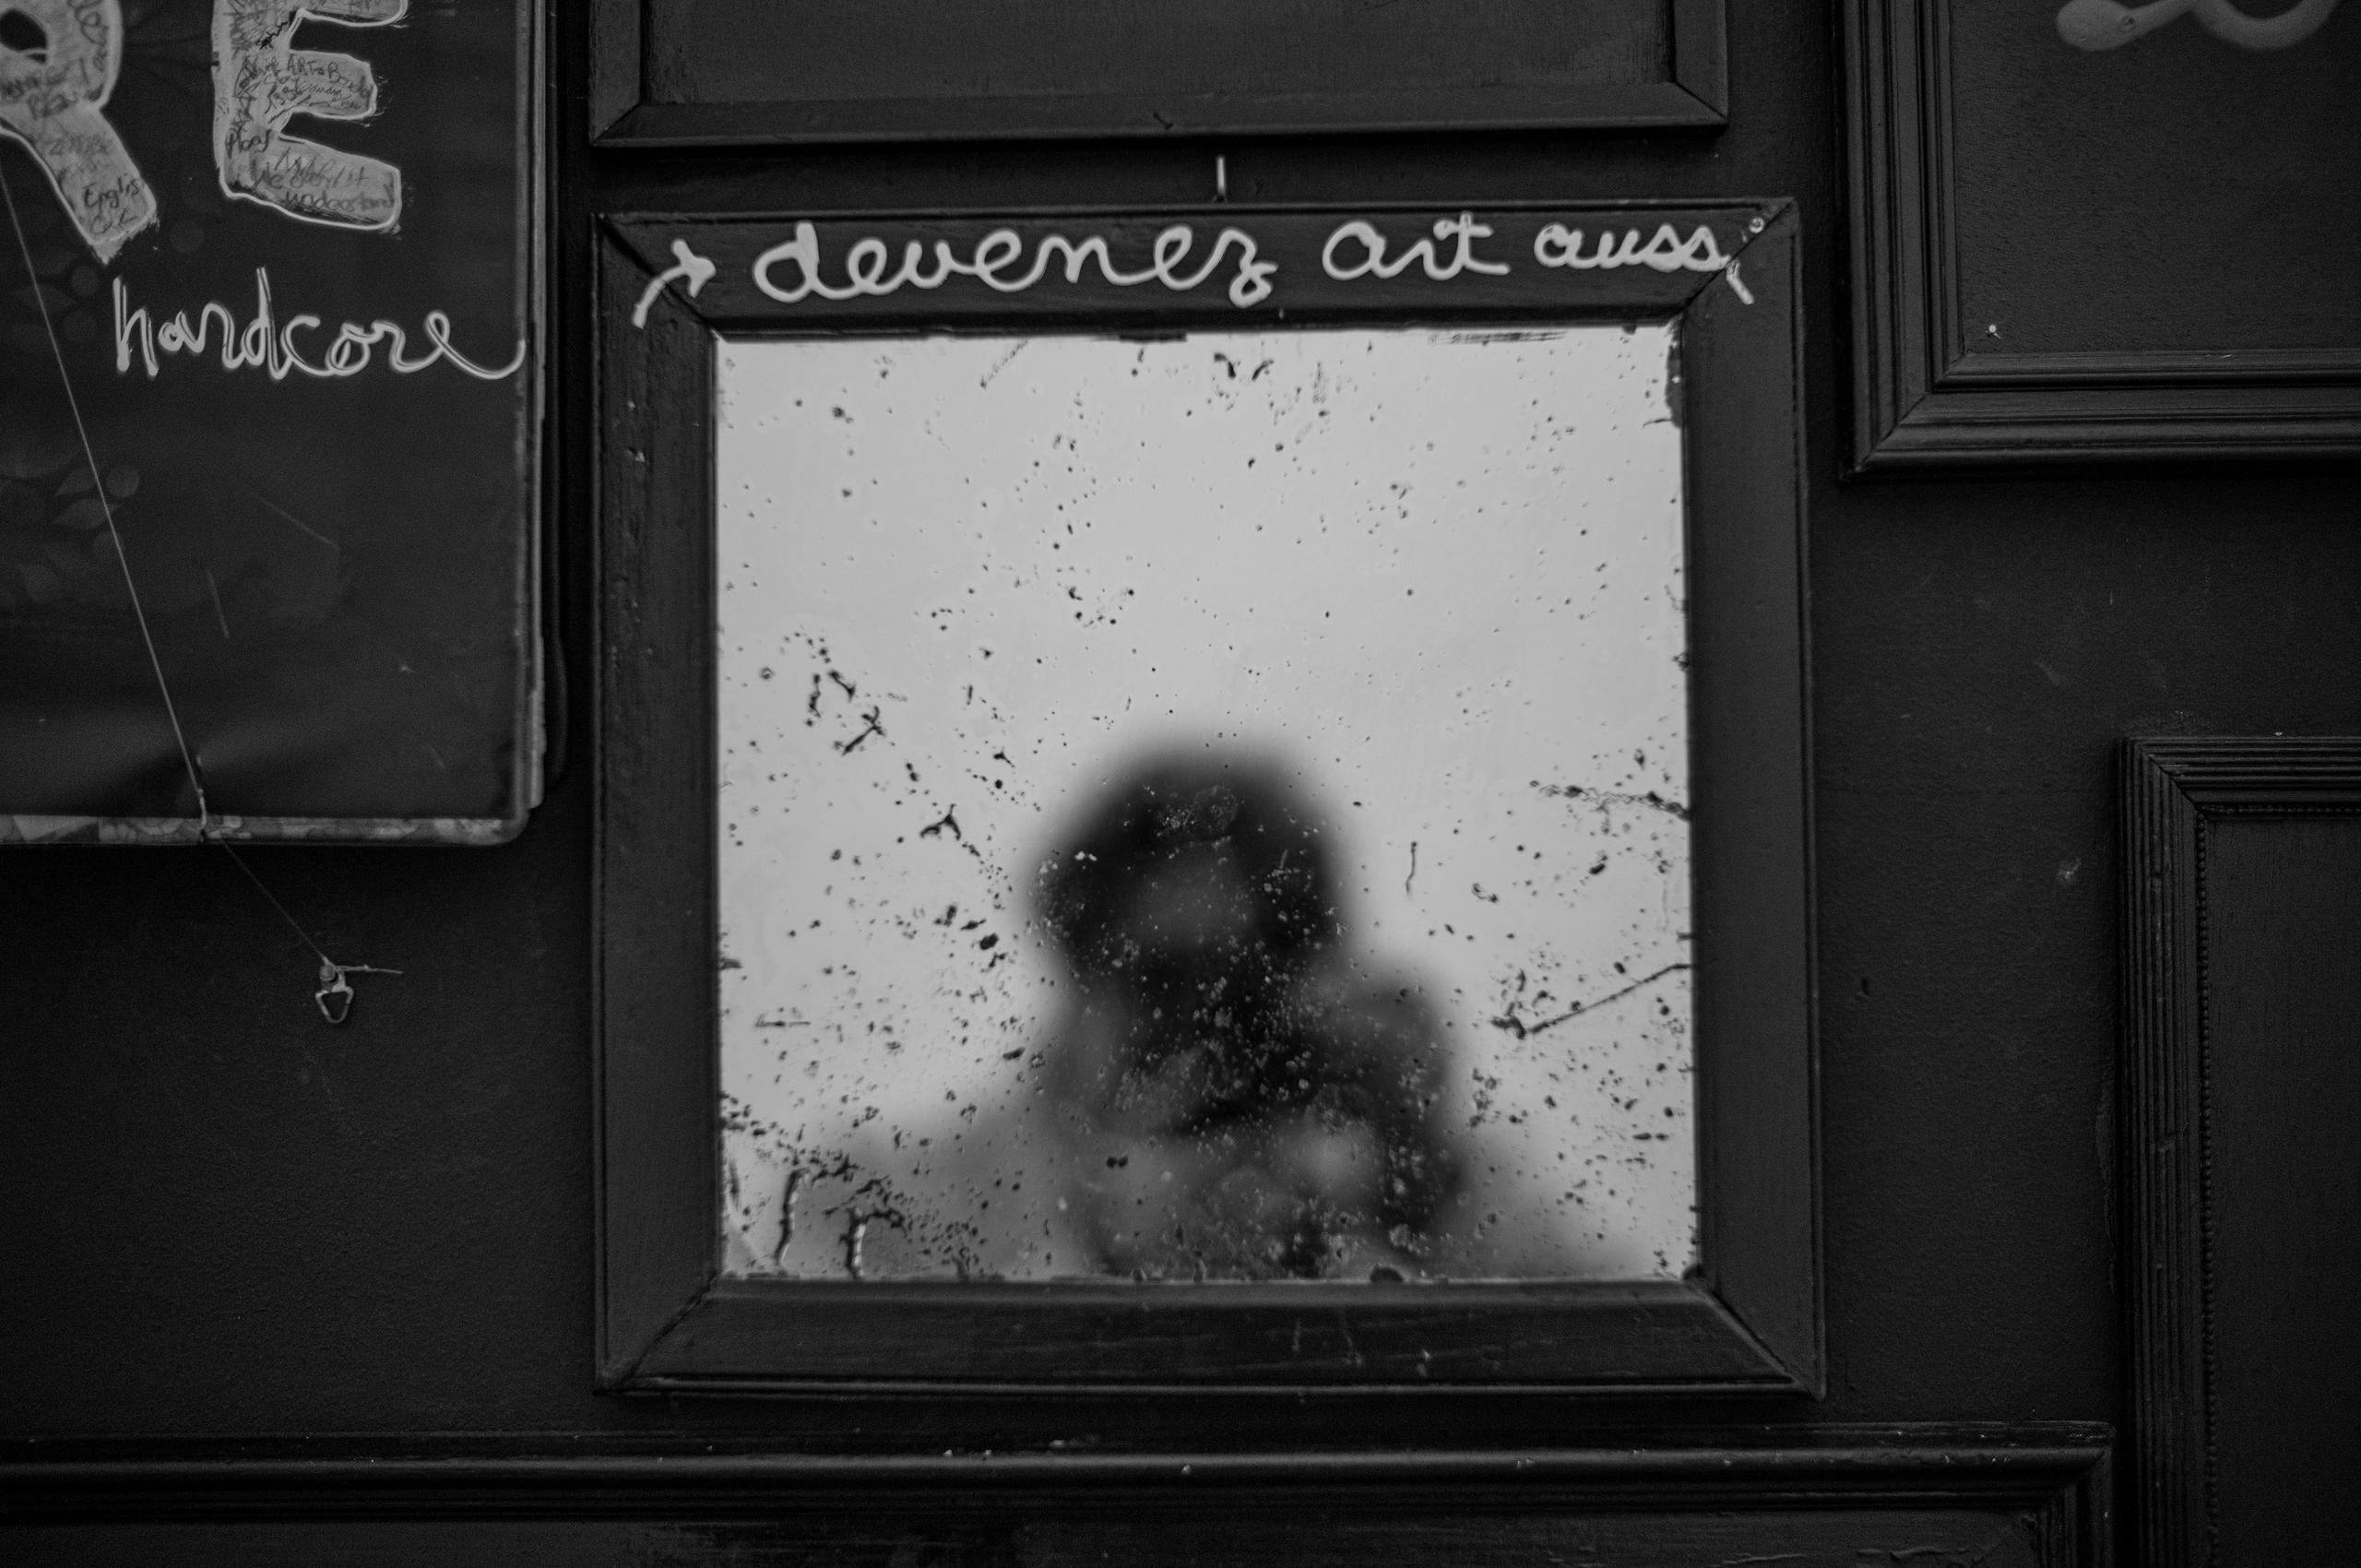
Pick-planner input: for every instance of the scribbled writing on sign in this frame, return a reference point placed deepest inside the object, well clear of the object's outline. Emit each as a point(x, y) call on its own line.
point(998, 262)
point(51, 98)
point(260, 82)
point(1370, 245)
point(267, 344)
point(1665, 251)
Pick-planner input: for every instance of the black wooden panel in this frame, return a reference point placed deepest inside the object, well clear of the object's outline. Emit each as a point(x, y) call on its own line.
point(2062, 254)
point(1750, 705)
point(2034, 1497)
point(895, 1534)
point(758, 51)
point(226, 1218)
point(2237, 152)
point(2244, 901)
point(751, 1335)
point(658, 1084)
point(717, 72)
point(2283, 1050)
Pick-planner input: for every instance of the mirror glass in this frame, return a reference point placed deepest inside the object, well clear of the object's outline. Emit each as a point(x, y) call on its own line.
point(1208, 807)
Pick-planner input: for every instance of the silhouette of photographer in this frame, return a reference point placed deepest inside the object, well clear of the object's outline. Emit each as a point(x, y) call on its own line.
point(1230, 1095)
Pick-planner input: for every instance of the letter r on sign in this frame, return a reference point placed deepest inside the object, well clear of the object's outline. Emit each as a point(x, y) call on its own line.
point(50, 99)
point(260, 81)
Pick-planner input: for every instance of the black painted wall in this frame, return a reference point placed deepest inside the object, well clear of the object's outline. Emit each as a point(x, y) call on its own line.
point(222, 1217)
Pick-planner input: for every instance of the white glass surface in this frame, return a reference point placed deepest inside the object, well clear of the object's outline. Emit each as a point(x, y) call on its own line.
point(1204, 808)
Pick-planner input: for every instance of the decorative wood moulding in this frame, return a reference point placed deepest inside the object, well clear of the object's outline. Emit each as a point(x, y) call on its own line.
point(668, 73)
point(2026, 1498)
point(2067, 253)
point(2237, 1091)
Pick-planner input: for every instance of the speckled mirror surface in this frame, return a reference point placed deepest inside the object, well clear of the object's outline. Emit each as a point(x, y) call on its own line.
point(1204, 808)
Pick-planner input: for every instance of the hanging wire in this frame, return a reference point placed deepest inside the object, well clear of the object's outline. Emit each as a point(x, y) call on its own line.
point(335, 996)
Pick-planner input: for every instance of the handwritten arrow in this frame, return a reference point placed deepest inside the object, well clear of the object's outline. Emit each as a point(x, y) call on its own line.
point(689, 267)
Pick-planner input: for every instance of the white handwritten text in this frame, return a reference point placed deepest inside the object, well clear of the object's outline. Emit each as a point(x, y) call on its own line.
point(269, 346)
point(1557, 245)
point(994, 263)
point(1373, 258)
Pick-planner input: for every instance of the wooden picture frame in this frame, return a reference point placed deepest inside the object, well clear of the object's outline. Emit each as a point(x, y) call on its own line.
point(2232, 1037)
point(640, 98)
point(1934, 385)
point(1747, 1318)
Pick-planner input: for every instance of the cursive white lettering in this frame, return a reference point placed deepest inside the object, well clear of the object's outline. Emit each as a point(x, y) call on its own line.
point(1372, 258)
point(264, 345)
point(993, 261)
point(1556, 245)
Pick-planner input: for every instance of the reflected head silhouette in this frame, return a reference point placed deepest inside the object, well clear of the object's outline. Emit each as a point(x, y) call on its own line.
point(1290, 1100)
point(1201, 883)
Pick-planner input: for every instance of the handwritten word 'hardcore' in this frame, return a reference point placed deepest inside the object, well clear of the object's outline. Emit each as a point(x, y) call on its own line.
point(1665, 251)
point(268, 344)
point(996, 263)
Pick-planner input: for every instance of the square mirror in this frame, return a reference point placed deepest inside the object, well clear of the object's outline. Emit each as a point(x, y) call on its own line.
point(1203, 803)
point(1204, 808)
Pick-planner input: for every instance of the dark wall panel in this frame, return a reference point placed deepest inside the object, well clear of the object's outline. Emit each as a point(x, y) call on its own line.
point(2282, 1048)
point(225, 1218)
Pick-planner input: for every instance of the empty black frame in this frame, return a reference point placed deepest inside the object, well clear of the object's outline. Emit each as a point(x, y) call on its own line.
point(1931, 391)
point(628, 107)
point(2194, 1004)
point(1746, 1320)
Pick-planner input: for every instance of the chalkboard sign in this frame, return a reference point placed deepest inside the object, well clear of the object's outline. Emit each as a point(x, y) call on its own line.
point(269, 391)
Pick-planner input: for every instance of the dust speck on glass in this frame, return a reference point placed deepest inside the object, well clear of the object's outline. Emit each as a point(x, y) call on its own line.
point(1211, 808)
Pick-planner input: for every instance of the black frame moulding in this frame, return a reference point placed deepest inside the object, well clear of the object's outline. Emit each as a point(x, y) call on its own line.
point(2172, 791)
point(1747, 1318)
point(2013, 1497)
point(1920, 402)
point(626, 108)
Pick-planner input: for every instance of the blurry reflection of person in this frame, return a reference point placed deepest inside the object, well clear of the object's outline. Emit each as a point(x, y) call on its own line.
point(1229, 1097)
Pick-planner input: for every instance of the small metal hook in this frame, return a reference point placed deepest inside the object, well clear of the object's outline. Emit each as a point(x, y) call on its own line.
point(335, 994)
